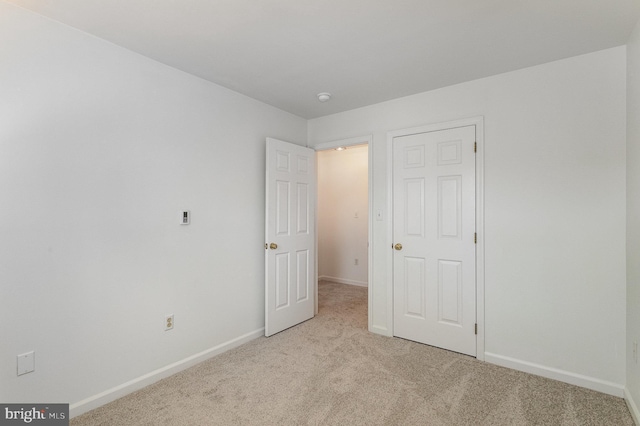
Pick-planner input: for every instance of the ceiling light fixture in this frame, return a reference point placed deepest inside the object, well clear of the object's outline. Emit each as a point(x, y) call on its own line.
point(341, 148)
point(324, 96)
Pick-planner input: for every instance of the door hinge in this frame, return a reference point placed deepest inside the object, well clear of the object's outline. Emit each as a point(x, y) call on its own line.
point(475, 238)
point(476, 328)
point(475, 147)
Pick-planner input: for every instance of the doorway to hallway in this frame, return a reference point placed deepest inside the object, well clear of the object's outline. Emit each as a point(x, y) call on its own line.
point(343, 217)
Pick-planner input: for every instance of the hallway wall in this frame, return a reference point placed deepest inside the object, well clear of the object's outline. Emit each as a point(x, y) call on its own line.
point(343, 209)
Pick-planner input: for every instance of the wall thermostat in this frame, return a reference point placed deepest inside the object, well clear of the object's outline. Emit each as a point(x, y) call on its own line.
point(185, 217)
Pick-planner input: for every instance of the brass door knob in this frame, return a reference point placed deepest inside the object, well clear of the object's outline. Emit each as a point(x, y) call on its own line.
point(273, 246)
point(398, 246)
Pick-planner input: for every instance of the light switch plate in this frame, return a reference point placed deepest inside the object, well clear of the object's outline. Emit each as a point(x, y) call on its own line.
point(26, 363)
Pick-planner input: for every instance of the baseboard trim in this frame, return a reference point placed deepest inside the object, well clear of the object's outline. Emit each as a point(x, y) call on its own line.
point(592, 383)
point(383, 331)
point(138, 383)
point(343, 281)
point(633, 408)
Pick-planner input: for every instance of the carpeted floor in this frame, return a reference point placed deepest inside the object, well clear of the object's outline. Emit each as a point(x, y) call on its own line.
point(332, 371)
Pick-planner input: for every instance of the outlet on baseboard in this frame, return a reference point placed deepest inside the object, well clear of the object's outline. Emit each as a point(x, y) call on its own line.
point(168, 322)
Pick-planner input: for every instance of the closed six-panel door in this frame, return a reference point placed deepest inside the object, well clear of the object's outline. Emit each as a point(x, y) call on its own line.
point(434, 265)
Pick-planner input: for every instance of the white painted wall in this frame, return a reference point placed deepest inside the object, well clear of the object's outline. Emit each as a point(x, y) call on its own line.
point(633, 219)
point(343, 215)
point(100, 149)
point(554, 210)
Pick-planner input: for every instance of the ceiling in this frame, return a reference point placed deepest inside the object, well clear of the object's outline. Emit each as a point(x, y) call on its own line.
point(284, 52)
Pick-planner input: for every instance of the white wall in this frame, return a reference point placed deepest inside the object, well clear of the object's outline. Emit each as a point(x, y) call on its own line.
point(554, 210)
point(99, 150)
point(343, 215)
point(633, 219)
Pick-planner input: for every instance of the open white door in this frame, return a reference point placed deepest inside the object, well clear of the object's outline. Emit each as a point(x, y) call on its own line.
point(290, 258)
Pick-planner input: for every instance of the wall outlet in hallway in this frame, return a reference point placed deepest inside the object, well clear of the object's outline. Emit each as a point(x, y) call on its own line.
point(355, 262)
point(168, 322)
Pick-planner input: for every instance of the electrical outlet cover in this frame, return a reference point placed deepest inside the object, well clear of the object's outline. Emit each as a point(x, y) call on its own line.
point(168, 322)
point(26, 363)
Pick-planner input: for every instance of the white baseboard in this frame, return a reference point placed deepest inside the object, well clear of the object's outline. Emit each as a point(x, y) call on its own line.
point(592, 383)
point(343, 281)
point(383, 331)
point(138, 383)
point(633, 408)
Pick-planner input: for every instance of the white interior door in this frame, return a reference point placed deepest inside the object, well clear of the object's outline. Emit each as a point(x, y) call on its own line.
point(434, 262)
point(290, 258)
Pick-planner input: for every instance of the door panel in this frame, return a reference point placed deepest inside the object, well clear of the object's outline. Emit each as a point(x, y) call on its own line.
point(449, 207)
point(414, 207)
point(450, 291)
point(282, 280)
point(282, 208)
point(303, 275)
point(434, 221)
point(303, 209)
point(414, 287)
point(290, 235)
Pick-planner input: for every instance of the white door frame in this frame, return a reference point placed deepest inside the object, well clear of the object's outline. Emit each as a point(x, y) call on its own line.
point(479, 123)
point(368, 139)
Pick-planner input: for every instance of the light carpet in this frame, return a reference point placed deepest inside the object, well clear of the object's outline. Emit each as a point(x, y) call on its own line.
point(331, 371)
